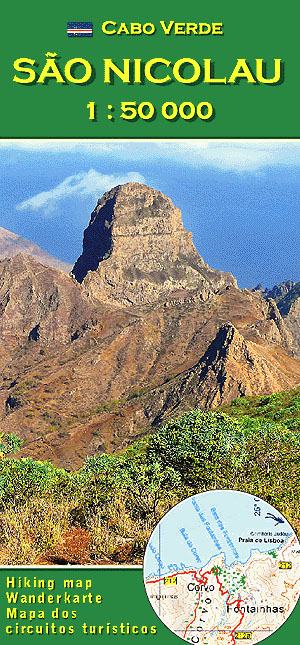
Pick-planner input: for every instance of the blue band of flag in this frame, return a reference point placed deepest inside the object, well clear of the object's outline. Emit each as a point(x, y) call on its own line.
point(80, 29)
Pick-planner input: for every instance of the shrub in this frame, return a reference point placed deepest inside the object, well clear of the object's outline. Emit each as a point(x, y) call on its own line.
point(21, 480)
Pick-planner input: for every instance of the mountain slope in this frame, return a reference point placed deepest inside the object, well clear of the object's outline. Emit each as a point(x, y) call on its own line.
point(89, 366)
point(287, 298)
point(12, 244)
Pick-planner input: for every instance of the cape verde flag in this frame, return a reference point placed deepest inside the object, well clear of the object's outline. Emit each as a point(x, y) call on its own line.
point(79, 29)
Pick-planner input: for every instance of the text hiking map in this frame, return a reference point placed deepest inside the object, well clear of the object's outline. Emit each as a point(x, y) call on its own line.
point(221, 567)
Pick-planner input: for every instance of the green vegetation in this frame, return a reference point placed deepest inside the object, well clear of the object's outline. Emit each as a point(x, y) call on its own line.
point(283, 407)
point(253, 445)
point(9, 443)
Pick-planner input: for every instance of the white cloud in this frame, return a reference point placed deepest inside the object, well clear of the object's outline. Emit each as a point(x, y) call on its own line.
point(239, 156)
point(236, 155)
point(81, 185)
point(59, 145)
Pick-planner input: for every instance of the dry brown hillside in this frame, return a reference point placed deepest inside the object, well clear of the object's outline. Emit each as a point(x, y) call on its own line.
point(143, 330)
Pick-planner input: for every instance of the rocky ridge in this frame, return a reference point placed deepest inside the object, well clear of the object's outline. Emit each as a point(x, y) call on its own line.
point(12, 244)
point(136, 250)
point(277, 292)
point(287, 298)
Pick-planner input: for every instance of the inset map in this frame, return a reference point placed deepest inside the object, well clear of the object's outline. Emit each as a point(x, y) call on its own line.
point(221, 567)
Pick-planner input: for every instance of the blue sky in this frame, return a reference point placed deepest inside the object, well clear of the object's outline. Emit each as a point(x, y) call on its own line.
point(241, 199)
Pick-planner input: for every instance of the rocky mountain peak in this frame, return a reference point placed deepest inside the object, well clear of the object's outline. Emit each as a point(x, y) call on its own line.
point(277, 292)
point(135, 249)
point(81, 375)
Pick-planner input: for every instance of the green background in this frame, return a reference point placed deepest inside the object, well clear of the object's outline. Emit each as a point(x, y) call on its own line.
point(259, 30)
point(256, 30)
point(124, 599)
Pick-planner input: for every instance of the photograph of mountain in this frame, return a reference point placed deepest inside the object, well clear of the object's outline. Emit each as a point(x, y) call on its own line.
point(146, 354)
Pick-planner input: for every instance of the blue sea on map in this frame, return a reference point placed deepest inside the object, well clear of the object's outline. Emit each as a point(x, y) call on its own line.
point(210, 524)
